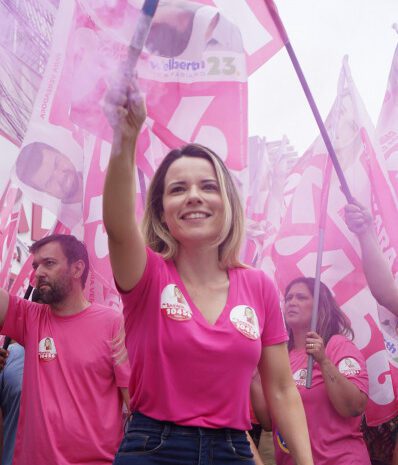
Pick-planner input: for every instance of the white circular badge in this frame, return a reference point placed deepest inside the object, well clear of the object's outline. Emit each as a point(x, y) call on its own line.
point(174, 305)
point(300, 377)
point(245, 320)
point(349, 366)
point(47, 350)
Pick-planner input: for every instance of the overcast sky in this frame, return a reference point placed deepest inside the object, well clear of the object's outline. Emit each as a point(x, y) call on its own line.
point(321, 33)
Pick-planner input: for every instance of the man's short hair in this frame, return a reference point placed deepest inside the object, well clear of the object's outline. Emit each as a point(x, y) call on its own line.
point(72, 248)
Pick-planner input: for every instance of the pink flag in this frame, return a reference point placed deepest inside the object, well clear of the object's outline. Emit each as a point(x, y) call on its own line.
point(261, 38)
point(10, 207)
point(387, 125)
point(49, 166)
point(294, 253)
point(262, 189)
point(194, 73)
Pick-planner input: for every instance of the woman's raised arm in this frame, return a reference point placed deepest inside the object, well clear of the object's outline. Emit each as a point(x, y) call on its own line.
point(126, 112)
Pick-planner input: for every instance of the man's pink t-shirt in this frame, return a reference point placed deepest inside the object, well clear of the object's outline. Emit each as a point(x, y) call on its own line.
point(184, 369)
point(71, 405)
point(335, 440)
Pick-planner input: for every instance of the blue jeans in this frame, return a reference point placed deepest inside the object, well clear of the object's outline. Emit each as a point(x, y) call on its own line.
point(153, 442)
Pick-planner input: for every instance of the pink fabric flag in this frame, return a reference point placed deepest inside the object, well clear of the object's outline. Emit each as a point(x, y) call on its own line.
point(10, 208)
point(256, 183)
point(49, 166)
point(295, 247)
point(194, 73)
point(191, 76)
point(387, 125)
point(262, 189)
point(261, 38)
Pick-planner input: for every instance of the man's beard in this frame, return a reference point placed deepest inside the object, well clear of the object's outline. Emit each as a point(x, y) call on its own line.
point(56, 291)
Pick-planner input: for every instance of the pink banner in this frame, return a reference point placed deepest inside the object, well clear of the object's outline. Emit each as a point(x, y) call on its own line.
point(9, 219)
point(194, 73)
point(387, 125)
point(262, 189)
point(261, 38)
point(295, 248)
point(188, 88)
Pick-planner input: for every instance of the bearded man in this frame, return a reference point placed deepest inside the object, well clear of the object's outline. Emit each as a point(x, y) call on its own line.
point(73, 382)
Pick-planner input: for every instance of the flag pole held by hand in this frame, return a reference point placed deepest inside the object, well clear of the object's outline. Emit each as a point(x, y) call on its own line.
point(139, 38)
point(127, 67)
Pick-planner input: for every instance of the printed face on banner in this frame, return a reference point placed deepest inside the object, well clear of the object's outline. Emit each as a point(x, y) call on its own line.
point(171, 28)
point(187, 29)
point(49, 173)
point(192, 71)
point(44, 168)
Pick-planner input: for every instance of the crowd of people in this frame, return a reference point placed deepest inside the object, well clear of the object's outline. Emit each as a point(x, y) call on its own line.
point(199, 332)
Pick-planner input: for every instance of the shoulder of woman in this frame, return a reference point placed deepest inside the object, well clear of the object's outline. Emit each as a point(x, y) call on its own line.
point(340, 344)
point(254, 273)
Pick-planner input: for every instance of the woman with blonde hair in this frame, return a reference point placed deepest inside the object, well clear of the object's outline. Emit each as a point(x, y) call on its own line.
point(191, 367)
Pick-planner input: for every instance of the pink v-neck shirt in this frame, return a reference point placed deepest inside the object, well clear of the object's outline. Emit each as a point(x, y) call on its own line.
point(335, 440)
point(184, 369)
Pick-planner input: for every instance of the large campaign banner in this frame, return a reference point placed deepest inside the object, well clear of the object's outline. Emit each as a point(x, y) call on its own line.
point(313, 198)
point(193, 71)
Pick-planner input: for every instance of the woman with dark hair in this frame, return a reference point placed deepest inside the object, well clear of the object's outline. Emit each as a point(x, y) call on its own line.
point(191, 364)
point(338, 394)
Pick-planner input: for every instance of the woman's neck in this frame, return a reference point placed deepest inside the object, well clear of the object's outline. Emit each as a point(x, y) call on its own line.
point(199, 265)
point(299, 336)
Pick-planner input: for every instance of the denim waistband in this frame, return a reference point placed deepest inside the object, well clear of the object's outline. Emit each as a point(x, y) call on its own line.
point(144, 423)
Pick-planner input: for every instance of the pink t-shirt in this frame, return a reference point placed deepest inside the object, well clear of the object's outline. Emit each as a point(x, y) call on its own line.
point(335, 440)
point(71, 405)
point(184, 369)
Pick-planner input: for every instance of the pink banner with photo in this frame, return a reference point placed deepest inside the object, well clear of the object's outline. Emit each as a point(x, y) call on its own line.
point(295, 249)
point(193, 71)
point(190, 80)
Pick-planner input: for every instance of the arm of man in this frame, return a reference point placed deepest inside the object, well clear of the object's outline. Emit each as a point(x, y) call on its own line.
point(282, 396)
point(125, 109)
point(378, 274)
